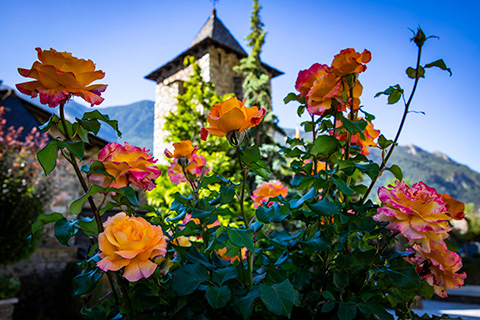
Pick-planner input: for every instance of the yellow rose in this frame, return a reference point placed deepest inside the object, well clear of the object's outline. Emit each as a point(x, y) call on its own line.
point(130, 242)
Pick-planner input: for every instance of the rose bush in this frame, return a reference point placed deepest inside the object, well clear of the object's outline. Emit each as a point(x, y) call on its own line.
point(317, 249)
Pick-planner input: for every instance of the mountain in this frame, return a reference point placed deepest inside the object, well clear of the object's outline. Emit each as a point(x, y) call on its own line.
point(435, 169)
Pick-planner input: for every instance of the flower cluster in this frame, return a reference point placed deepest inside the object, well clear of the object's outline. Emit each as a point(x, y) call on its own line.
point(59, 75)
point(268, 190)
point(422, 216)
point(323, 86)
point(130, 242)
point(126, 164)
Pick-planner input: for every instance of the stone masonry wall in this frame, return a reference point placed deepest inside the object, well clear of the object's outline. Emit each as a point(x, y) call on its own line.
point(166, 101)
point(221, 70)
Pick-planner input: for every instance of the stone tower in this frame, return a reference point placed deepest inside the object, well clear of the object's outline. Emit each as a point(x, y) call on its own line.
point(216, 52)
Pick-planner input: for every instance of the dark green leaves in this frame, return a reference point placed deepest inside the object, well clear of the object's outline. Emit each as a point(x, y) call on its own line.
point(64, 230)
point(220, 276)
point(394, 93)
point(293, 97)
point(346, 311)
point(188, 278)
point(86, 281)
point(278, 297)
point(218, 297)
point(439, 64)
point(324, 145)
point(240, 237)
point(397, 172)
point(77, 205)
point(44, 219)
point(324, 207)
point(48, 157)
point(99, 116)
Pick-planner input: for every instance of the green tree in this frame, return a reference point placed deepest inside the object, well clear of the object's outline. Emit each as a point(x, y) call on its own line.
point(257, 92)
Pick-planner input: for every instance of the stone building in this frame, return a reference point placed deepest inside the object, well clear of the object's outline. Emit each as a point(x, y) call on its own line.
point(216, 52)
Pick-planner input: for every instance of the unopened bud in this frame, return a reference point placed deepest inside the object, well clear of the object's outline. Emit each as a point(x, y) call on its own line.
point(183, 162)
point(235, 138)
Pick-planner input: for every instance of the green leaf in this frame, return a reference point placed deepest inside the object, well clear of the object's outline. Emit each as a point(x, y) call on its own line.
point(77, 205)
point(131, 196)
point(394, 97)
point(250, 155)
point(92, 125)
point(354, 126)
point(240, 237)
point(343, 186)
point(86, 281)
point(394, 93)
point(439, 64)
point(300, 110)
point(324, 207)
point(278, 297)
point(328, 295)
point(295, 203)
point(245, 304)
point(346, 311)
point(88, 225)
point(412, 72)
point(373, 307)
point(328, 306)
point(46, 126)
point(44, 219)
point(218, 297)
point(293, 97)
point(383, 142)
point(397, 172)
point(226, 194)
point(220, 276)
point(105, 118)
point(75, 147)
point(405, 278)
point(187, 278)
point(324, 145)
point(48, 157)
point(341, 280)
point(265, 214)
point(64, 230)
point(195, 256)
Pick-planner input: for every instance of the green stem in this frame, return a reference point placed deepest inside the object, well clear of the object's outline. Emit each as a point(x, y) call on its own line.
point(126, 298)
point(245, 220)
point(314, 132)
point(404, 117)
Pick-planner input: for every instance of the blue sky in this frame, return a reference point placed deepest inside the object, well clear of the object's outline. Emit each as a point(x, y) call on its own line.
point(129, 39)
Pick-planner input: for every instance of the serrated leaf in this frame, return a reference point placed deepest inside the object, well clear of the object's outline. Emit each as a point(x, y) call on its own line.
point(397, 172)
point(250, 155)
point(44, 219)
point(77, 205)
point(439, 64)
point(85, 282)
point(46, 126)
point(48, 157)
point(354, 126)
point(65, 230)
point(295, 203)
point(324, 145)
point(241, 238)
point(75, 147)
point(95, 114)
point(293, 97)
point(187, 278)
point(91, 125)
point(278, 297)
point(346, 311)
point(324, 207)
point(343, 186)
point(245, 304)
point(220, 276)
point(218, 297)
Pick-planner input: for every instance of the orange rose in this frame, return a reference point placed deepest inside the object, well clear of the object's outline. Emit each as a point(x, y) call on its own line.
point(182, 149)
point(127, 164)
point(349, 61)
point(306, 78)
point(59, 75)
point(323, 91)
point(454, 207)
point(231, 116)
point(418, 212)
point(369, 135)
point(439, 268)
point(268, 190)
point(221, 252)
point(130, 242)
point(196, 167)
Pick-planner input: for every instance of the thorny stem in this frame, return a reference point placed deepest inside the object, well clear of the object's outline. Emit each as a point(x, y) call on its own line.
point(245, 220)
point(404, 117)
point(73, 162)
point(314, 132)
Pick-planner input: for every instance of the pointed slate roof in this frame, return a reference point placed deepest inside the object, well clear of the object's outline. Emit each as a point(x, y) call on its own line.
point(213, 33)
point(216, 30)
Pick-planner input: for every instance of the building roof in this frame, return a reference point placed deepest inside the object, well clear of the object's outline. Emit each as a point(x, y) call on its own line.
point(22, 113)
point(213, 33)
